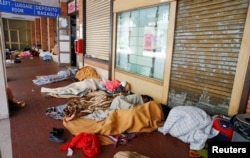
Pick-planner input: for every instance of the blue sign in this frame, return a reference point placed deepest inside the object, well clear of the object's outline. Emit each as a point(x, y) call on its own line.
point(29, 9)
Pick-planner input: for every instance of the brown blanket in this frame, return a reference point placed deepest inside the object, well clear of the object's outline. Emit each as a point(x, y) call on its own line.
point(144, 118)
point(87, 72)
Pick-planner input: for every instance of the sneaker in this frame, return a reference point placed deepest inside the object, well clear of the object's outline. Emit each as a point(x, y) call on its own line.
point(56, 138)
point(58, 131)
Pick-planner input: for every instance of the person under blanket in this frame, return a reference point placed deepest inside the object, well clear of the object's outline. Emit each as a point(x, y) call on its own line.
point(191, 125)
point(78, 107)
point(60, 76)
point(143, 118)
point(99, 107)
point(75, 89)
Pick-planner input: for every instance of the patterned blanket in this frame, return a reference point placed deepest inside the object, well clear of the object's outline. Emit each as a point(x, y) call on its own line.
point(60, 76)
point(119, 102)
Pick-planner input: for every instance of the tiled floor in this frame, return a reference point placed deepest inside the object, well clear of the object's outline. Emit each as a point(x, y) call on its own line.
point(30, 127)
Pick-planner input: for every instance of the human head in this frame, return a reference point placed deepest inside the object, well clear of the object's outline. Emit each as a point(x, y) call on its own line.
point(146, 98)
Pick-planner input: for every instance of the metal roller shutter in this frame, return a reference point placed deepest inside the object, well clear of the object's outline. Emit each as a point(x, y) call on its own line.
point(98, 29)
point(207, 44)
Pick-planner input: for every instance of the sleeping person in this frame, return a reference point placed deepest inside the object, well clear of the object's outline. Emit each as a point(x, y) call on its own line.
point(79, 107)
point(59, 76)
point(99, 107)
point(75, 89)
point(146, 117)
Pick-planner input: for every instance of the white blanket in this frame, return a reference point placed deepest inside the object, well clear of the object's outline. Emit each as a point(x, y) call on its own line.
point(75, 89)
point(190, 124)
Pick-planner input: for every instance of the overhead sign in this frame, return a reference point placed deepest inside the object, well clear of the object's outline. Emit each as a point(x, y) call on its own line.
point(29, 9)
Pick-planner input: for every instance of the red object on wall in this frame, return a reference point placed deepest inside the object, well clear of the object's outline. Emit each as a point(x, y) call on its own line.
point(79, 46)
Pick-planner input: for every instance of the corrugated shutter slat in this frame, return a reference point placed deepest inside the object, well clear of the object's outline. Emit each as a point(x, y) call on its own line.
point(98, 29)
point(207, 44)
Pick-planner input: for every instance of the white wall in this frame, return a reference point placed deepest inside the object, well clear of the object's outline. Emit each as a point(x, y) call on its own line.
point(5, 138)
point(4, 113)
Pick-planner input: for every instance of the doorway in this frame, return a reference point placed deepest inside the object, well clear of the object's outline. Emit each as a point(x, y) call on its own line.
point(17, 33)
point(73, 38)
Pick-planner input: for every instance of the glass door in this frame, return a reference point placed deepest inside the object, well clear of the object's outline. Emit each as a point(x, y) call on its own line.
point(64, 40)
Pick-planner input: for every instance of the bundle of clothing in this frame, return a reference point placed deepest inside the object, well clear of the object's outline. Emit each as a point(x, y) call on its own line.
point(114, 86)
point(89, 143)
point(189, 124)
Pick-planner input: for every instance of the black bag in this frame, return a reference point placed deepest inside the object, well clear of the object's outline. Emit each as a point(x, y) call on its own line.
point(17, 60)
point(241, 124)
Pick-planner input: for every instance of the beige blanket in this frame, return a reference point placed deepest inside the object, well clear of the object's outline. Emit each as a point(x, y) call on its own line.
point(76, 89)
point(87, 72)
point(144, 118)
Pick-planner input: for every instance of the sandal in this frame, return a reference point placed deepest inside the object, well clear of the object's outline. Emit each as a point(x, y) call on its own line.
point(194, 154)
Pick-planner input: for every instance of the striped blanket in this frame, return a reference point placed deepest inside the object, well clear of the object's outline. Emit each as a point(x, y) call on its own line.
point(88, 104)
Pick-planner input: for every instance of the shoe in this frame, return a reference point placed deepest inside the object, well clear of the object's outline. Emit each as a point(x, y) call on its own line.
point(58, 131)
point(194, 154)
point(50, 110)
point(56, 138)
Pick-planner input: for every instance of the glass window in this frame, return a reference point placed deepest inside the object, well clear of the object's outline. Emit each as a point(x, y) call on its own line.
point(142, 41)
point(14, 35)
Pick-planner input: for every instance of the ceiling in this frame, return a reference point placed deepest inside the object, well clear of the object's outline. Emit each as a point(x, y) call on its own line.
point(53, 3)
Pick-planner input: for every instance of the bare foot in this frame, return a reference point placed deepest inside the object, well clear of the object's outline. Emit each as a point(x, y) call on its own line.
point(70, 118)
point(19, 102)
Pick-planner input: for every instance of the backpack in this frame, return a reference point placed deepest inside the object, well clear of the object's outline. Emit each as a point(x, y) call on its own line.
point(224, 126)
point(17, 60)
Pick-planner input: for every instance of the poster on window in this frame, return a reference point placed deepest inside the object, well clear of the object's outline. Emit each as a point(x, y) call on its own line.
point(148, 42)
